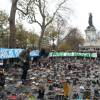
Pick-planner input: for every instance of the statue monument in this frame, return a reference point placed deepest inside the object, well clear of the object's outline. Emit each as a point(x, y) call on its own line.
point(90, 20)
point(90, 31)
point(92, 42)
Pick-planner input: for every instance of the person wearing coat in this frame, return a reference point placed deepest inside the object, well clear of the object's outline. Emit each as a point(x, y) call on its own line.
point(2, 78)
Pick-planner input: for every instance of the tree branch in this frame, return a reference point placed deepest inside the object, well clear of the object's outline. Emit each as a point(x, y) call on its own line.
point(27, 8)
point(25, 13)
point(44, 6)
point(59, 6)
point(40, 8)
point(35, 21)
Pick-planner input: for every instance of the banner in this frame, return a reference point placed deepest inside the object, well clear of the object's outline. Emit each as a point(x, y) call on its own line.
point(34, 53)
point(72, 54)
point(6, 53)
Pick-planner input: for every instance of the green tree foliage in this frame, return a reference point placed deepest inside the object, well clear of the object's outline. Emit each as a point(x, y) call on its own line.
point(3, 18)
point(21, 37)
point(63, 46)
point(25, 38)
point(55, 31)
point(33, 39)
point(51, 33)
point(4, 32)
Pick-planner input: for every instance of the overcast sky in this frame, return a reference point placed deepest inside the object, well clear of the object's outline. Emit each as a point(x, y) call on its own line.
point(81, 9)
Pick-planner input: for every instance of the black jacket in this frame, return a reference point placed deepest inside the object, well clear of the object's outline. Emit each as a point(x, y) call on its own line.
point(2, 80)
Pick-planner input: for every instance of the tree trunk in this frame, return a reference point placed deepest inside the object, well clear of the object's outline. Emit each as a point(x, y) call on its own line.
point(40, 39)
point(12, 40)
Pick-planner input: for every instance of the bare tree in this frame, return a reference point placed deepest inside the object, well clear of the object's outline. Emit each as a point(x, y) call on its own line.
point(61, 27)
point(39, 7)
point(74, 38)
point(12, 42)
point(56, 30)
point(30, 9)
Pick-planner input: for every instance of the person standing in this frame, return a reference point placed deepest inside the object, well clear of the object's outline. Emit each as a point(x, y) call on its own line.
point(25, 61)
point(2, 83)
point(2, 78)
point(41, 93)
point(67, 90)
